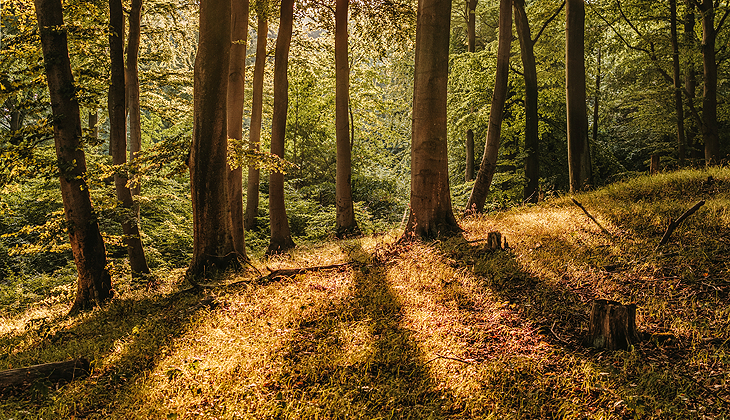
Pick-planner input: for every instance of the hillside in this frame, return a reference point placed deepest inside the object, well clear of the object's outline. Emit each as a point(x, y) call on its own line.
point(442, 330)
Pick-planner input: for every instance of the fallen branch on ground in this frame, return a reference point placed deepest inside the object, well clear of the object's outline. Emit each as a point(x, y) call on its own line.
point(673, 225)
point(590, 216)
point(456, 359)
point(15, 380)
point(280, 274)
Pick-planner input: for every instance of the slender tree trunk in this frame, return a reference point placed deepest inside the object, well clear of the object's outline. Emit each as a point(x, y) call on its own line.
point(118, 141)
point(94, 124)
point(596, 102)
point(236, 93)
point(579, 159)
point(213, 247)
point(709, 101)
point(132, 87)
point(532, 139)
point(496, 113)
point(471, 6)
point(690, 76)
point(280, 240)
point(346, 224)
point(431, 214)
point(678, 104)
point(94, 285)
point(252, 192)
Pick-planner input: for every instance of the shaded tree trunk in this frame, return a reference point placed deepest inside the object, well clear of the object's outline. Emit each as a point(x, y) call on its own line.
point(94, 285)
point(345, 217)
point(690, 77)
point(252, 191)
point(236, 94)
point(431, 214)
point(597, 97)
point(496, 113)
point(94, 124)
point(280, 240)
point(213, 247)
point(678, 104)
point(132, 89)
point(118, 141)
point(709, 97)
point(471, 18)
point(579, 159)
point(532, 139)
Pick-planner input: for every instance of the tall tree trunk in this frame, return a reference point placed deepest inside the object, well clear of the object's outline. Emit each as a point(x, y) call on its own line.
point(94, 285)
point(345, 217)
point(252, 191)
point(213, 247)
point(431, 214)
point(596, 101)
point(236, 94)
point(280, 240)
point(579, 159)
point(532, 139)
point(118, 141)
point(690, 76)
point(709, 100)
point(471, 6)
point(132, 88)
point(94, 124)
point(496, 113)
point(678, 104)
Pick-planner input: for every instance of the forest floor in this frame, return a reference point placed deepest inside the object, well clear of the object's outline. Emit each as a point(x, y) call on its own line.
point(429, 330)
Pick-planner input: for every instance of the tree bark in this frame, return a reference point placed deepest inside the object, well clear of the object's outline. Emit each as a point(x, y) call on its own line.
point(94, 124)
point(597, 97)
point(496, 113)
point(471, 6)
point(118, 141)
point(236, 94)
point(709, 100)
point(612, 325)
point(431, 214)
point(280, 240)
point(252, 191)
point(345, 216)
point(678, 103)
point(213, 247)
point(132, 90)
point(579, 159)
point(690, 76)
point(532, 139)
point(94, 282)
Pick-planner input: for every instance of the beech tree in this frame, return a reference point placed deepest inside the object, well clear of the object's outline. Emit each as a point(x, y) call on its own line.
point(471, 17)
point(496, 113)
point(131, 78)
point(280, 239)
point(431, 214)
point(94, 285)
point(709, 94)
point(213, 247)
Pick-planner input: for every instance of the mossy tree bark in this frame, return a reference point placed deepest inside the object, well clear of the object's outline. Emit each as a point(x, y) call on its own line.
point(431, 214)
point(94, 285)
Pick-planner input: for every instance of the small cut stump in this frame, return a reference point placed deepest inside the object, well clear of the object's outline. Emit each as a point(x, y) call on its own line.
point(613, 325)
point(17, 380)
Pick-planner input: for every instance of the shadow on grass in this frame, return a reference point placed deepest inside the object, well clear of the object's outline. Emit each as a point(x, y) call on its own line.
point(352, 359)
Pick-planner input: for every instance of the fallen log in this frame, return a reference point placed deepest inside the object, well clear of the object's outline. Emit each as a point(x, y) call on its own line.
point(675, 224)
point(17, 380)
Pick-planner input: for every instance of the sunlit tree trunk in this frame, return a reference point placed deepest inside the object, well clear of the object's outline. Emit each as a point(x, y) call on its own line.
point(532, 140)
point(345, 217)
point(118, 141)
point(280, 240)
point(709, 97)
point(132, 87)
point(471, 6)
point(252, 191)
point(431, 214)
point(678, 103)
point(213, 247)
point(94, 282)
point(579, 159)
point(236, 93)
point(496, 113)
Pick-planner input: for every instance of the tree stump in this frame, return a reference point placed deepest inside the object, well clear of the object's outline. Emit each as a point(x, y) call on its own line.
point(613, 325)
point(15, 380)
point(654, 165)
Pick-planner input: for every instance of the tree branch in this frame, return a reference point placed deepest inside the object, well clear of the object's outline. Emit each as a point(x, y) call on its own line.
point(547, 22)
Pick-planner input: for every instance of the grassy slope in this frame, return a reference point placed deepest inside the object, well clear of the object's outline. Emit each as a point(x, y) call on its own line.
point(437, 330)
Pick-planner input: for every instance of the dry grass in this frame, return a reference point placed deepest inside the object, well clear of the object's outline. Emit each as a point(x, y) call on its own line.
point(436, 330)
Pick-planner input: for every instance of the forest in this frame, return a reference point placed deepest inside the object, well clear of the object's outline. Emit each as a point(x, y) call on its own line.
point(364, 209)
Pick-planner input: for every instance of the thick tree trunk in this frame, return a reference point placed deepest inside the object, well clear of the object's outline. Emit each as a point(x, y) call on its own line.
point(471, 19)
point(236, 93)
point(94, 281)
point(118, 141)
point(678, 103)
point(431, 214)
point(252, 191)
point(612, 325)
point(213, 247)
point(579, 159)
point(280, 240)
point(132, 89)
point(496, 113)
point(709, 100)
point(345, 217)
point(532, 139)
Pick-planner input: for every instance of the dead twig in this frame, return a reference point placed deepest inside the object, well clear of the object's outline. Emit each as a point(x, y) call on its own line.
point(456, 359)
point(590, 216)
point(674, 224)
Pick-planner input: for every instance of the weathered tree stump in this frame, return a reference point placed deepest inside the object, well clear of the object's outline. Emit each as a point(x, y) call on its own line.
point(654, 165)
point(16, 380)
point(613, 325)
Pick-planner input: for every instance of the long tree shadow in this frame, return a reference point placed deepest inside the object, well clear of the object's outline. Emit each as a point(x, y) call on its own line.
point(353, 359)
